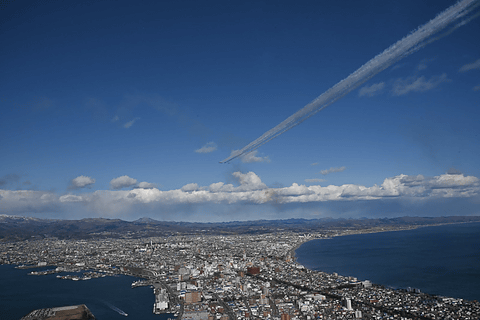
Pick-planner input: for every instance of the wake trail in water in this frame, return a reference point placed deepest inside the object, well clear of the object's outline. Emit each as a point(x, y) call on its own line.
point(111, 306)
point(416, 40)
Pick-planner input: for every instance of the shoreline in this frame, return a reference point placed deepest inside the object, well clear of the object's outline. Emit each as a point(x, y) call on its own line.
point(368, 231)
point(293, 253)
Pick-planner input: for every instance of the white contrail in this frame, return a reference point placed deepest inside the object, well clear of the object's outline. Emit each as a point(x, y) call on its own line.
point(402, 48)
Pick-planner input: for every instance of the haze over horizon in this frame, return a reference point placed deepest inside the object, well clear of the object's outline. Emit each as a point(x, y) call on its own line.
point(123, 111)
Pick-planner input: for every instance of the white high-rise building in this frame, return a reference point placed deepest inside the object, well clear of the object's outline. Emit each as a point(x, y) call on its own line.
point(348, 303)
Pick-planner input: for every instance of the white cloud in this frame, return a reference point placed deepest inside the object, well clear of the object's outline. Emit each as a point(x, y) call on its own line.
point(130, 123)
point(27, 201)
point(452, 181)
point(251, 190)
point(81, 182)
point(70, 198)
point(122, 182)
point(252, 157)
point(470, 66)
point(207, 148)
point(372, 90)
point(190, 187)
point(476, 88)
point(417, 84)
point(314, 164)
point(115, 118)
point(294, 190)
point(332, 170)
point(221, 187)
point(249, 181)
point(146, 185)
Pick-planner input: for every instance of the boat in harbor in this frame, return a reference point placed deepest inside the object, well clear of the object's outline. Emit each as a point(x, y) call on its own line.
point(123, 313)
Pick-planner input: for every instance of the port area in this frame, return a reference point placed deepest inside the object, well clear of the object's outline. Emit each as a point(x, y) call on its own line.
point(141, 283)
point(166, 301)
point(85, 275)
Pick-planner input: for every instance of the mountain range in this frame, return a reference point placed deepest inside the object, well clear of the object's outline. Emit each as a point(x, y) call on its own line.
point(17, 228)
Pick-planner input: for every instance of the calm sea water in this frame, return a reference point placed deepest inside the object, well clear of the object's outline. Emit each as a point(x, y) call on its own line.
point(442, 260)
point(21, 293)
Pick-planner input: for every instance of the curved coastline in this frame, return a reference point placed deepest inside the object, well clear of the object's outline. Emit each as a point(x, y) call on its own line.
point(399, 278)
point(293, 251)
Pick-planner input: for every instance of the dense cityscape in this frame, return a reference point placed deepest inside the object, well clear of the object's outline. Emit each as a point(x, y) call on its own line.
point(230, 277)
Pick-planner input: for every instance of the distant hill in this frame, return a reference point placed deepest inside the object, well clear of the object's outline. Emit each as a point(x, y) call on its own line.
point(15, 228)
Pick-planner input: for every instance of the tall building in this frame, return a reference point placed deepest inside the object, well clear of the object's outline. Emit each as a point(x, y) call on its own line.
point(348, 303)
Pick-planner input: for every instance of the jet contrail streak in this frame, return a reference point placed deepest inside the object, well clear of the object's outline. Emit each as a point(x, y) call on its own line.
point(402, 48)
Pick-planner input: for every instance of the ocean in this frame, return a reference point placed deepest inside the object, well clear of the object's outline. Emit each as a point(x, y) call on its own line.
point(21, 293)
point(442, 260)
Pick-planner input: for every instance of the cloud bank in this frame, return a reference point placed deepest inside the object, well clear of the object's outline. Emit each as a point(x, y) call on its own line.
point(249, 197)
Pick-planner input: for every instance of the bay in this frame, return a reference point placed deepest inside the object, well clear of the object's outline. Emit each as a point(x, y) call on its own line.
point(442, 260)
point(21, 293)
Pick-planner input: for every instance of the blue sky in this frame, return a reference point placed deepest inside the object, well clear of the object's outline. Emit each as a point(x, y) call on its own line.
point(124, 110)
